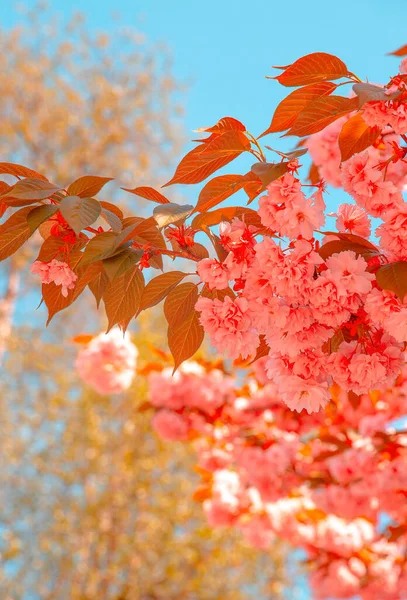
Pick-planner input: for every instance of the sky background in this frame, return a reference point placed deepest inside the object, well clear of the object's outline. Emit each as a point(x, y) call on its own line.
point(224, 49)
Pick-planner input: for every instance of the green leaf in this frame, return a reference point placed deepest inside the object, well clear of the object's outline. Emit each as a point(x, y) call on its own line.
point(38, 215)
point(80, 213)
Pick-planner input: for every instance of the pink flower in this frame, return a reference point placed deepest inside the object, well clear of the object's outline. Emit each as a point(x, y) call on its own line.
point(170, 426)
point(300, 394)
point(213, 273)
point(393, 233)
point(353, 219)
point(324, 150)
point(348, 272)
point(57, 272)
point(229, 324)
point(390, 112)
point(365, 182)
point(403, 66)
point(107, 364)
point(287, 211)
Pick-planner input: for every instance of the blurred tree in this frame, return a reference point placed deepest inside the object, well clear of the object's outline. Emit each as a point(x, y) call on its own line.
point(95, 507)
point(76, 103)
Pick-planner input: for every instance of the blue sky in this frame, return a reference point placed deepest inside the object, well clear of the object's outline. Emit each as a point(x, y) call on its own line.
point(226, 48)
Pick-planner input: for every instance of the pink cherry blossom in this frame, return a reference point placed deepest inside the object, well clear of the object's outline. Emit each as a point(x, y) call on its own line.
point(57, 272)
point(107, 364)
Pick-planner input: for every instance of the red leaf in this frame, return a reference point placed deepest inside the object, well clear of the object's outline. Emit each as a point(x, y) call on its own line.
point(289, 109)
point(322, 112)
point(29, 190)
point(159, 287)
point(179, 303)
point(366, 250)
point(356, 136)
point(52, 293)
point(218, 189)
point(400, 52)
point(204, 160)
point(311, 68)
point(185, 339)
point(19, 171)
point(224, 124)
point(87, 186)
point(228, 213)
point(217, 294)
point(268, 172)
point(123, 298)
point(313, 174)
point(148, 193)
point(14, 232)
point(393, 277)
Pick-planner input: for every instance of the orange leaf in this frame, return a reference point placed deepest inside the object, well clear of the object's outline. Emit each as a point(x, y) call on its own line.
point(268, 172)
point(224, 124)
point(228, 213)
point(342, 244)
point(180, 303)
point(30, 190)
point(311, 68)
point(393, 277)
point(19, 171)
point(218, 189)
point(112, 208)
point(289, 109)
point(87, 186)
point(123, 298)
point(356, 136)
point(83, 338)
point(98, 286)
point(185, 338)
point(14, 232)
point(52, 293)
point(149, 193)
point(400, 52)
point(226, 143)
point(159, 287)
point(322, 112)
point(217, 294)
point(205, 159)
point(313, 174)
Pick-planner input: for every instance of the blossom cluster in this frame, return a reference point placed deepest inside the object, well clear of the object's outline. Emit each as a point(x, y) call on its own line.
point(314, 297)
point(322, 482)
point(108, 362)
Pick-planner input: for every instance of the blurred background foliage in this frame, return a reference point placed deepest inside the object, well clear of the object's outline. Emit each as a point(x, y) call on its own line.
point(94, 505)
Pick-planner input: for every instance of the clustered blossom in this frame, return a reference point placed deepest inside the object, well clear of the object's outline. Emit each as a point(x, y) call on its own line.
point(316, 303)
point(321, 482)
point(57, 272)
point(108, 362)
